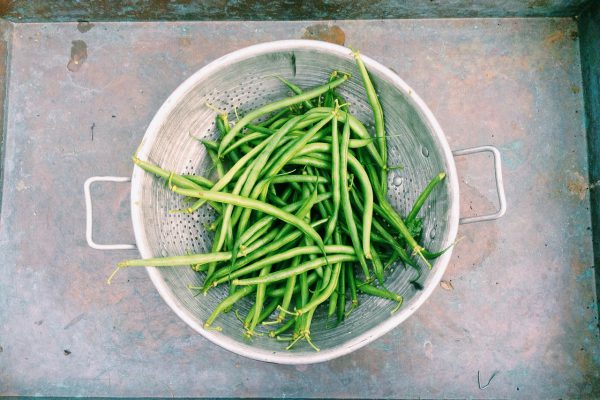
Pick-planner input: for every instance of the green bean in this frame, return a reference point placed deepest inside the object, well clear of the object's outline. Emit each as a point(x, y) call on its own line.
point(331, 309)
point(296, 89)
point(278, 115)
point(377, 266)
point(201, 181)
point(269, 309)
point(189, 259)
point(278, 292)
point(288, 153)
point(259, 129)
point(350, 277)
point(266, 208)
point(353, 143)
point(227, 178)
point(328, 101)
point(314, 149)
point(289, 290)
point(395, 257)
point(284, 328)
point(325, 294)
point(398, 223)
point(380, 292)
point(174, 178)
point(377, 117)
point(363, 178)
point(222, 124)
point(345, 201)
point(217, 162)
point(258, 304)
point(253, 238)
point(286, 255)
point(225, 231)
point(243, 140)
point(282, 239)
point(335, 180)
point(276, 200)
point(249, 316)
point(298, 178)
point(286, 273)
point(310, 161)
point(209, 144)
point(341, 306)
point(252, 115)
point(423, 196)
point(227, 303)
point(357, 127)
point(303, 279)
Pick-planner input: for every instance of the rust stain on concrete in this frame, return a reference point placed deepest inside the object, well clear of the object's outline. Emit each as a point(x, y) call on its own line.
point(78, 55)
point(185, 41)
point(326, 33)
point(554, 37)
point(578, 185)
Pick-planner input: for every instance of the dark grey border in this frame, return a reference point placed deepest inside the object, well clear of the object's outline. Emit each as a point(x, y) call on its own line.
point(285, 10)
point(589, 32)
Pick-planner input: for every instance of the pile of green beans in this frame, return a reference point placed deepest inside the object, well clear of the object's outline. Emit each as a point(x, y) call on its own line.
point(303, 219)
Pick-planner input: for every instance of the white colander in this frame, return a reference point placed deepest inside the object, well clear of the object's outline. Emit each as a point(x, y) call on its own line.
point(243, 80)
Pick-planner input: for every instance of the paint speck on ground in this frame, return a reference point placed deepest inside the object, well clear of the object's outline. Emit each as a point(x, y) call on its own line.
point(185, 41)
point(84, 26)
point(326, 33)
point(78, 55)
point(21, 186)
point(74, 321)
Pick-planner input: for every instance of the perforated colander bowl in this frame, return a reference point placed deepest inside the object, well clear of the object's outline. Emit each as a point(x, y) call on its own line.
point(245, 79)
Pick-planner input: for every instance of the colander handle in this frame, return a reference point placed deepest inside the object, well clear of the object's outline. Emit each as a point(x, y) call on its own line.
point(499, 183)
point(89, 217)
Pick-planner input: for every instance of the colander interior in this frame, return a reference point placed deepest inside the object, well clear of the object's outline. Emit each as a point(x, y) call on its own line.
point(245, 81)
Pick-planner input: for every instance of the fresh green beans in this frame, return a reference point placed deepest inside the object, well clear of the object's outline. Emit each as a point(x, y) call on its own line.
point(308, 95)
point(345, 201)
point(286, 273)
point(423, 196)
point(245, 202)
point(304, 219)
point(377, 116)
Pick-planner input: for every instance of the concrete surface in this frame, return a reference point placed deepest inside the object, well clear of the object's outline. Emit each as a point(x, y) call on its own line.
point(521, 301)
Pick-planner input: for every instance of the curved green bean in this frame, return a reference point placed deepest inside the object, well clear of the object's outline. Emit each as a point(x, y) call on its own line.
point(286, 273)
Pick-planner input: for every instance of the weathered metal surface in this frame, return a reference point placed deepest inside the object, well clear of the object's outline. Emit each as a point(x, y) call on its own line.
point(518, 296)
point(178, 10)
point(589, 26)
point(5, 35)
